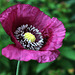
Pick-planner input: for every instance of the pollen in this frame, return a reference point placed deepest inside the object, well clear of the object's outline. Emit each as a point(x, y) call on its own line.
point(29, 36)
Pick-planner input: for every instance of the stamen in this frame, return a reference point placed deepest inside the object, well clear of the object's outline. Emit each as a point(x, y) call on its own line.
point(29, 37)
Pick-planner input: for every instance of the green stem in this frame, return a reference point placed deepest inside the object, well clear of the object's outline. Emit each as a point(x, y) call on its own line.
point(17, 70)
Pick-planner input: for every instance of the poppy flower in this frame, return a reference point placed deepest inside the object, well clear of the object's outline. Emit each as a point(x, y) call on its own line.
point(36, 36)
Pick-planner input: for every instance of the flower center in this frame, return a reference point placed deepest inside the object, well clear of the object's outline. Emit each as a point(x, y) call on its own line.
point(29, 36)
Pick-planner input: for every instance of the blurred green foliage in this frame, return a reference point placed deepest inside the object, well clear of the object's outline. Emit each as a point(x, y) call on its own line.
point(64, 10)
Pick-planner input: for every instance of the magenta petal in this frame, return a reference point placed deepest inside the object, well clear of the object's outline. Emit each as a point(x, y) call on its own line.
point(41, 21)
point(56, 33)
point(13, 52)
point(20, 14)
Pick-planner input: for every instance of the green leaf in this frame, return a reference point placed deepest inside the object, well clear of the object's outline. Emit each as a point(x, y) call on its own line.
point(45, 10)
point(71, 37)
point(42, 0)
point(5, 62)
point(24, 68)
point(56, 12)
point(30, 1)
point(59, 5)
point(64, 63)
point(64, 10)
point(70, 1)
point(42, 66)
point(73, 17)
point(3, 73)
point(67, 35)
point(20, 0)
point(68, 52)
point(52, 5)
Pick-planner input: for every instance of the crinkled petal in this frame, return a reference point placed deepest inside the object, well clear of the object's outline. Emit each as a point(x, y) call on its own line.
point(55, 33)
point(12, 52)
point(20, 14)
